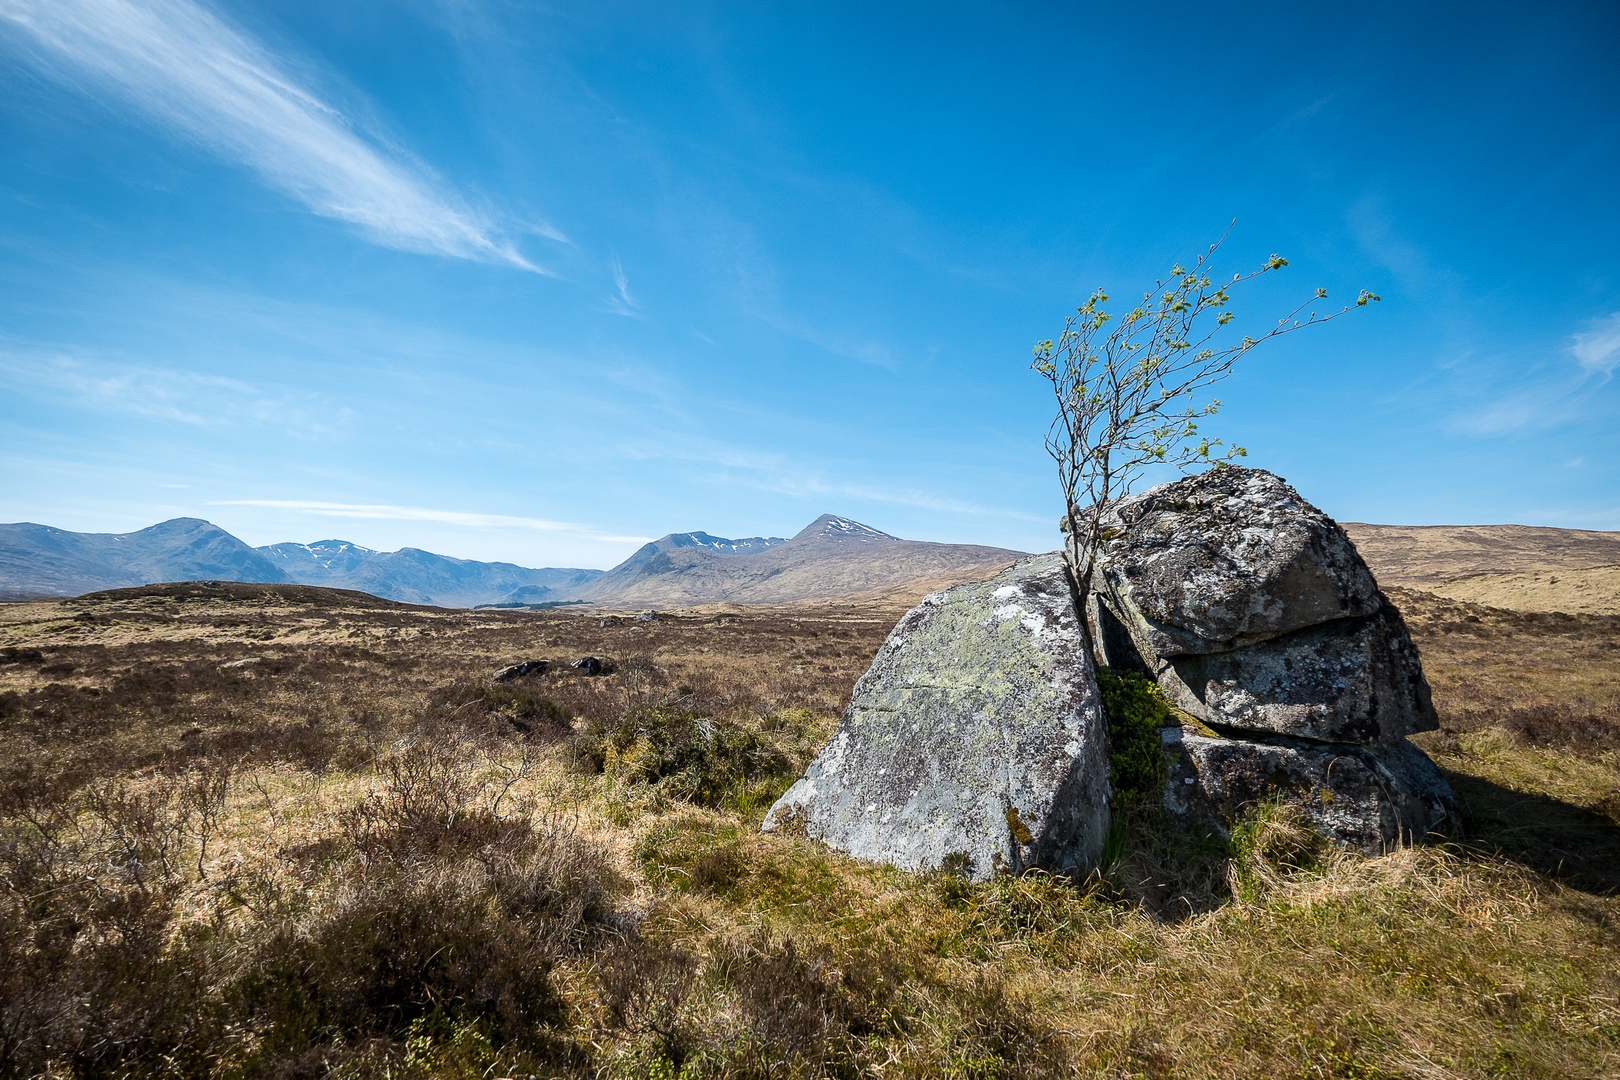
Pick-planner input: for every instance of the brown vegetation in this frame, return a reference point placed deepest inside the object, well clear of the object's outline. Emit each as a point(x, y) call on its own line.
point(1423, 556)
point(247, 832)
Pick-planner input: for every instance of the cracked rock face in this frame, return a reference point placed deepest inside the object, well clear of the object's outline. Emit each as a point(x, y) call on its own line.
point(977, 733)
point(1350, 680)
point(1225, 559)
point(1372, 798)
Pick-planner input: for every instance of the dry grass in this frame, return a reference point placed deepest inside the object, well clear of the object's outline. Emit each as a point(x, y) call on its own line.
point(1592, 591)
point(247, 833)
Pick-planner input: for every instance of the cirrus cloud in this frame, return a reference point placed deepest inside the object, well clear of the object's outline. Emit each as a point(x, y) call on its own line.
point(387, 512)
point(1598, 347)
point(189, 71)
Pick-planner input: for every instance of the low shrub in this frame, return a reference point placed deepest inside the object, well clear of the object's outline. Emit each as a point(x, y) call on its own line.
point(395, 954)
point(701, 759)
point(519, 706)
point(1136, 710)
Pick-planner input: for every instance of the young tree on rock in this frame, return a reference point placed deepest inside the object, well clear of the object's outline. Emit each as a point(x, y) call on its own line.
point(1125, 390)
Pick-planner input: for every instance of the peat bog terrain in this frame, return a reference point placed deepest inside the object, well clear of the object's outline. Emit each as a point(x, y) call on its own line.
point(286, 831)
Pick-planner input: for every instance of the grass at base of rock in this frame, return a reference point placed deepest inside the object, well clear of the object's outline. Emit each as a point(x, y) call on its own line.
point(346, 858)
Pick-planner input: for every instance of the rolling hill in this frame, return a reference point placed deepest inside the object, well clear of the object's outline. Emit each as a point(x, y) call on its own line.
point(1518, 567)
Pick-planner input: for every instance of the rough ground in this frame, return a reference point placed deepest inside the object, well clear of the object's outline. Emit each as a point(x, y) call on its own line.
point(252, 832)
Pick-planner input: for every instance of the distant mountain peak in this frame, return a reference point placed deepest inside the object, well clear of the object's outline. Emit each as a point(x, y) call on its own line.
point(747, 545)
point(327, 555)
point(833, 527)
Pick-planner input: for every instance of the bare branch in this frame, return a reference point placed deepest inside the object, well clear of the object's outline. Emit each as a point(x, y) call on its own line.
point(1124, 388)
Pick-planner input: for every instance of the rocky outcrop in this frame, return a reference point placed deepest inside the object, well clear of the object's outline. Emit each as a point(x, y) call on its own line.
point(976, 738)
point(1255, 614)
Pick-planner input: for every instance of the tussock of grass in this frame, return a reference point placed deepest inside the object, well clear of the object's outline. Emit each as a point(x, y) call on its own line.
point(356, 855)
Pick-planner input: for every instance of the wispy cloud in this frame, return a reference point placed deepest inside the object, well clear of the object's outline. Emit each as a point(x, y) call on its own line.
point(621, 302)
point(189, 71)
point(385, 512)
point(1597, 348)
point(922, 500)
point(784, 474)
point(185, 397)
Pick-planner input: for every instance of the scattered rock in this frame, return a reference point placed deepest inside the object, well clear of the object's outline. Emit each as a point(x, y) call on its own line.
point(647, 616)
point(1227, 558)
point(589, 665)
point(976, 739)
point(517, 671)
point(1371, 798)
point(611, 620)
point(246, 661)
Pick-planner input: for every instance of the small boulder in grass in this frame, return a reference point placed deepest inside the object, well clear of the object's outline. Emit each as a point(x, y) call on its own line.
point(518, 671)
point(588, 665)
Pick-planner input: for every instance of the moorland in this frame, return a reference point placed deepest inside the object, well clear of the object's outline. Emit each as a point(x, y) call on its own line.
point(291, 831)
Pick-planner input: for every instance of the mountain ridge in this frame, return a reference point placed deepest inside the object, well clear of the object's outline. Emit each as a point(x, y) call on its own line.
point(46, 561)
point(832, 556)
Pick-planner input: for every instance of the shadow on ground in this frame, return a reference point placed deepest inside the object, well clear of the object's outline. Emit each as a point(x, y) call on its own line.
point(1577, 845)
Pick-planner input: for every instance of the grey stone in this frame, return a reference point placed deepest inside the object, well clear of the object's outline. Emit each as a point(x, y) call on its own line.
point(1224, 559)
point(1371, 798)
point(979, 720)
point(1350, 680)
point(518, 670)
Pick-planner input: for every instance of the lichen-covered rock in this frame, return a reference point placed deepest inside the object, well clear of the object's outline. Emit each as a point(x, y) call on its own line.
point(977, 733)
point(1224, 559)
point(1371, 798)
point(1350, 680)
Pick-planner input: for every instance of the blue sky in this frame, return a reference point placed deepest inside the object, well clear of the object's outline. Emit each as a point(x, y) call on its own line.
point(536, 283)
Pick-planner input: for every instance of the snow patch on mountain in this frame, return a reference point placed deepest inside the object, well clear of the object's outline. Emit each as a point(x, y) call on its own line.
point(745, 546)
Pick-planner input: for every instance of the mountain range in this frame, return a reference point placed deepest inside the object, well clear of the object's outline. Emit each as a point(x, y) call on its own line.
point(833, 556)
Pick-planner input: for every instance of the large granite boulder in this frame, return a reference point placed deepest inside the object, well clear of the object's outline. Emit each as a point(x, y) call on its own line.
point(1371, 798)
point(976, 736)
point(1349, 680)
point(1253, 610)
point(1227, 558)
point(1255, 614)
